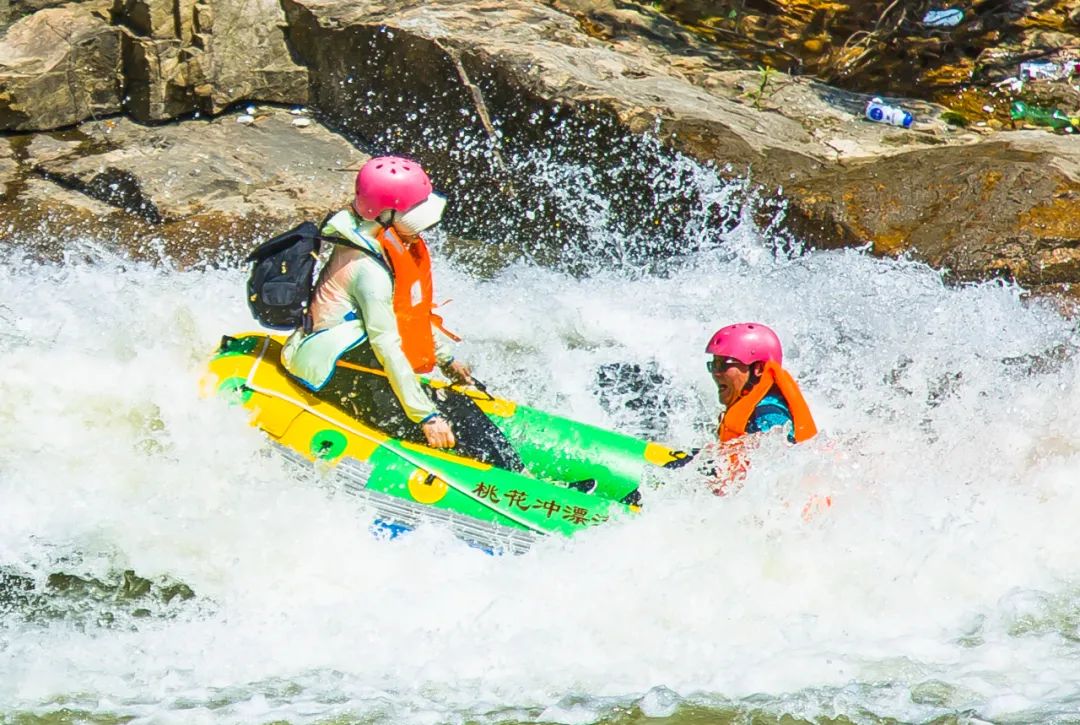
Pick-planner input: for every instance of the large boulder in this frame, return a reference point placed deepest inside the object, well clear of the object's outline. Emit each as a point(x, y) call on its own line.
point(549, 124)
point(12, 10)
point(445, 68)
point(154, 59)
point(1007, 206)
point(59, 66)
point(190, 187)
point(204, 55)
point(479, 91)
point(439, 79)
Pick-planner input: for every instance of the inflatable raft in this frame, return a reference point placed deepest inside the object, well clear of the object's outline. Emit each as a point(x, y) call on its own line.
point(577, 475)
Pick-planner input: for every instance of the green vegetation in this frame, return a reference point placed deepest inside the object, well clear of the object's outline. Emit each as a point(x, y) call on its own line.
point(765, 74)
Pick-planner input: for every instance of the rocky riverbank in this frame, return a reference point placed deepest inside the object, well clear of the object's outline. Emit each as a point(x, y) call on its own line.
point(130, 119)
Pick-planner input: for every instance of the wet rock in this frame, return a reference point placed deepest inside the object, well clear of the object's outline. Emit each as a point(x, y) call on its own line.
point(12, 10)
point(59, 66)
point(186, 55)
point(161, 59)
point(949, 196)
point(502, 80)
point(478, 90)
point(1005, 206)
point(8, 165)
point(880, 45)
point(193, 185)
point(639, 395)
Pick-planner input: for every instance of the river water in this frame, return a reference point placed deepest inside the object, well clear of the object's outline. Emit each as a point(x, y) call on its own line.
point(940, 586)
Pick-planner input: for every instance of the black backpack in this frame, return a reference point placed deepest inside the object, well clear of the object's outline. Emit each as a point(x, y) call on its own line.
point(281, 280)
point(280, 283)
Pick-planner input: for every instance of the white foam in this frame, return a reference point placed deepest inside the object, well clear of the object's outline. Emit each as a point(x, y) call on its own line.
point(941, 579)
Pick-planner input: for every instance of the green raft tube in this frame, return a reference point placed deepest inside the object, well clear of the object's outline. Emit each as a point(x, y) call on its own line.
point(577, 475)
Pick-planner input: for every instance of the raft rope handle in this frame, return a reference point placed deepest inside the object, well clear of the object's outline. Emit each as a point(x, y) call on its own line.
point(424, 466)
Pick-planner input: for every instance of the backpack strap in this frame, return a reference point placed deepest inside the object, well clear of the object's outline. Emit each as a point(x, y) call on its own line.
point(349, 243)
point(352, 245)
point(284, 240)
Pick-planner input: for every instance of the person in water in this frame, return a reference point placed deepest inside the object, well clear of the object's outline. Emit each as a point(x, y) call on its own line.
point(756, 392)
point(374, 328)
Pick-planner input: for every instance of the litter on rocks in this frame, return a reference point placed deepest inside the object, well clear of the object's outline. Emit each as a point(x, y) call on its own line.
point(1045, 70)
point(301, 122)
point(1052, 117)
point(880, 112)
point(943, 18)
point(1012, 83)
point(247, 119)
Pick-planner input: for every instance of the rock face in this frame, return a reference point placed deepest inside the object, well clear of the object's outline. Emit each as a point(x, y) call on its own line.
point(203, 55)
point(59, 66)
point(153, 59)
point(940, 203)
point(535, 117)
point(953, 197)
point(476, 88)
point(267, 168)
point(192, 186)
point(874, 45)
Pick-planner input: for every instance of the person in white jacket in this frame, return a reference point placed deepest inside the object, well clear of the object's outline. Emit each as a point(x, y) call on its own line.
point(372, 308)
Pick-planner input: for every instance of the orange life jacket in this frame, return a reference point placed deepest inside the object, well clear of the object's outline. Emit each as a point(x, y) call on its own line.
point(733, 424)
point(413, 304)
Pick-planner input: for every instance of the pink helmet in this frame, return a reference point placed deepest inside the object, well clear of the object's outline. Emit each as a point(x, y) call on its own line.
point(747, 342)
point(390, 182)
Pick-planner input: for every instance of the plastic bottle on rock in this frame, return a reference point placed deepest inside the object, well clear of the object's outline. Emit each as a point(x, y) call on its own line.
point(1052, 117)
point(880, 112)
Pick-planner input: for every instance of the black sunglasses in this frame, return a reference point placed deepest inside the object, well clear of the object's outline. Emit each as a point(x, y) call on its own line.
point(719, 366)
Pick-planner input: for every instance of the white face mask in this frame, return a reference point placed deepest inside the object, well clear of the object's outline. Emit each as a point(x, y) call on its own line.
point(423, 216)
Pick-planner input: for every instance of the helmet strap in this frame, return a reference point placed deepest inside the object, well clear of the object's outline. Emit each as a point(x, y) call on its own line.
point(386, 218)
point(756, 370)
